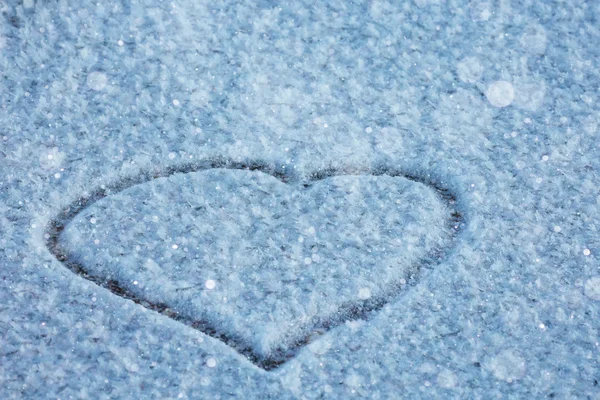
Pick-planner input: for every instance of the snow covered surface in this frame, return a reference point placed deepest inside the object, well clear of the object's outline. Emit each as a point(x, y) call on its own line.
point(255, 258)
point(496, 102)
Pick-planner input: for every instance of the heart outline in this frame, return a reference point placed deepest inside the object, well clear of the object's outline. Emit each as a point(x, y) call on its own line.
point(360, 309)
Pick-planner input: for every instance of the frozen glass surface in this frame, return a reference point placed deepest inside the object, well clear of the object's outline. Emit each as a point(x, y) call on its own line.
point(330, 199)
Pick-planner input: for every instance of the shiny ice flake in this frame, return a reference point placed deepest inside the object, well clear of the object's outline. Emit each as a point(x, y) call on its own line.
point(97, 80)
point(508, 366)
point(592, 288)
point(480, 10)
point(364, 293)
point(469, 70)
point(530, 95)
point(534, 39)
point(557, 228)
point(93, 220)
point(500, 94)
point(355, 325)
point(447, 379)
point(51, 159)
point(200, 98)
point(586, 252)
point(354, 380)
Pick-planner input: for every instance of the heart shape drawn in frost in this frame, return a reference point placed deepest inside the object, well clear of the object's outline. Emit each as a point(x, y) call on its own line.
point(255, 257)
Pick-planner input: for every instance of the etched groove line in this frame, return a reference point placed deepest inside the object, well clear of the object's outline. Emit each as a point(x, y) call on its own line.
point(352, 310)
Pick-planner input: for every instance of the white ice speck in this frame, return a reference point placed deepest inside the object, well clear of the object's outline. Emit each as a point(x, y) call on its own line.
point(51, 160)
point(200, 98)
point(368, 129)
point(508, 366)
point(172, 156)
point(307, 261)
point(447, 379)
point(210, 284)
point(355, 325)
point(469, 70)
point(500, 94)
point(354, 380)
point(175, 102)
point(530, 96)
point(364, 293)
point(97, 80)
point(480, 10)
point(211, 363)
point(557, 228)
point(592, 288)
point(534, 39)
point(586, 252)
point(93, 220)
point(520, 164)
point(175, 247)
point(120, 43)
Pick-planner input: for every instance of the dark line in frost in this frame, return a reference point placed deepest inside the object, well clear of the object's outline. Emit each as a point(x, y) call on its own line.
point(347, 312)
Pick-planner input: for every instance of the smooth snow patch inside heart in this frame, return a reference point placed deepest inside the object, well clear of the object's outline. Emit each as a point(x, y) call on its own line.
point(259, 263)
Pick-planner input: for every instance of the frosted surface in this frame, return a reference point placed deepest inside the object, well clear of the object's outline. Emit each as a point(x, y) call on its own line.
point(256, 258)
point(496, 101)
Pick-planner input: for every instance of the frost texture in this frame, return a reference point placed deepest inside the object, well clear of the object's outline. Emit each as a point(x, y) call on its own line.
point(296, 84)
point(257, 258)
